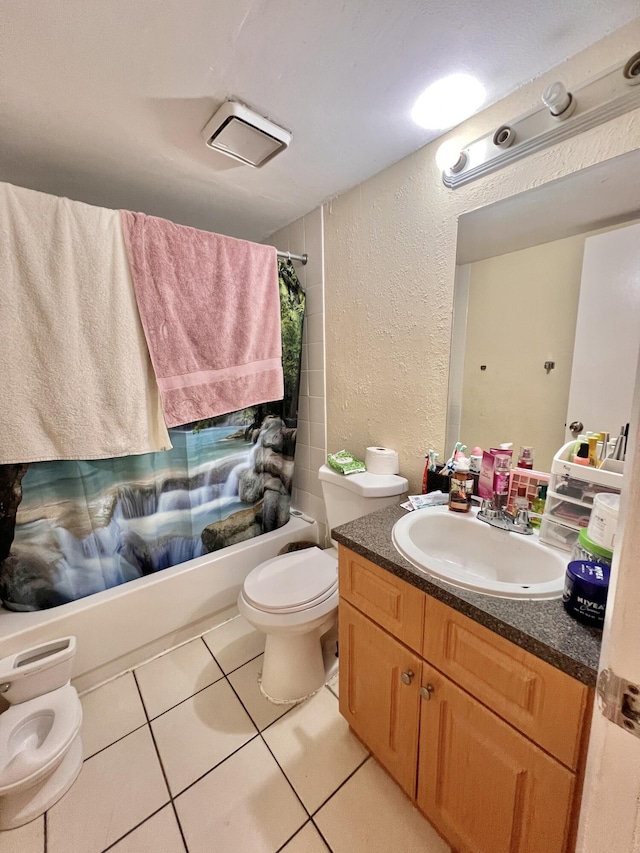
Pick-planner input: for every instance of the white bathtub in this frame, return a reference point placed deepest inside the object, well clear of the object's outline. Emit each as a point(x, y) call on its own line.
point(123, 626)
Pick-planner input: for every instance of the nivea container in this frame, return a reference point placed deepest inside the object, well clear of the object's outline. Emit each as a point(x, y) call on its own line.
point(585, 591)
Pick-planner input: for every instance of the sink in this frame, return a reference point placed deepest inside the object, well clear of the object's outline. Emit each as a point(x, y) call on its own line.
point(465, 552)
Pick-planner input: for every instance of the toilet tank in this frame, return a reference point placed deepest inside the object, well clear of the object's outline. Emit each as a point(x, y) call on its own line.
point(349, 496)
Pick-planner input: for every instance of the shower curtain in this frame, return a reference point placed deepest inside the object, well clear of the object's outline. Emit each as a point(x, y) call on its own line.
point(70, 529)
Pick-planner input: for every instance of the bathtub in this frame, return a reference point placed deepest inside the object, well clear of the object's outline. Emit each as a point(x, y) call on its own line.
point(127, 624)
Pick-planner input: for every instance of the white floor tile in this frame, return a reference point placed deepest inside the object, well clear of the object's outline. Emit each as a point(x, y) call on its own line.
point(116, 790)
point(245, 683)
point(370, 814)
point(110, 712)
point(234, 643)
point(159, 834)
point(245, 804)
point(197, 734)
point(315, 748)
point(308, 840)
point(26, 839)
point(175, 676)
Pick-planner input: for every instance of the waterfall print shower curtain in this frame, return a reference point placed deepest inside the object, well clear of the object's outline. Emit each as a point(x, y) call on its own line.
point(82, 527)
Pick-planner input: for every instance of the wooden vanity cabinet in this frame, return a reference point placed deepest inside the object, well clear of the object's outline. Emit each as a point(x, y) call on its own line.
point(484, 786)
point(463, 738)
point(377, 675)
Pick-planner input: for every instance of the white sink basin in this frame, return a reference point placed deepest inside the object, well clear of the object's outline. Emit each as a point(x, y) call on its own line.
point(459, 549)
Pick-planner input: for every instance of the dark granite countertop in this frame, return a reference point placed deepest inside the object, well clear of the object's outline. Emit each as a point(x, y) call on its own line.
point(543, 628)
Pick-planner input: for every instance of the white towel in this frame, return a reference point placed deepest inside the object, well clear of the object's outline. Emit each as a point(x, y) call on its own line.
point(76, 380)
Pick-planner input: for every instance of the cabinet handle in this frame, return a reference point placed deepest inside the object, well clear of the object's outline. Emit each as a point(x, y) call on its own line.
point(426, 692)
point(407, 677)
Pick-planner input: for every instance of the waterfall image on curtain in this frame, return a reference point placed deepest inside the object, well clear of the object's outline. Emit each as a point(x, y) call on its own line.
point(73, 528)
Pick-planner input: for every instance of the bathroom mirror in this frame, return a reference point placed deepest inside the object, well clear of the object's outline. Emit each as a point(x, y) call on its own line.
point(519, 271)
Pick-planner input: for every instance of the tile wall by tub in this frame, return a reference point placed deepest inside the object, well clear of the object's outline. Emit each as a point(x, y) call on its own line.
point(305, 235)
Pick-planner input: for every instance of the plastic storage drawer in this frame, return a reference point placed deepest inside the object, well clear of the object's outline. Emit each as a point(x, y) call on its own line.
point(577, 489)
point(557, 534)
point(567, 511)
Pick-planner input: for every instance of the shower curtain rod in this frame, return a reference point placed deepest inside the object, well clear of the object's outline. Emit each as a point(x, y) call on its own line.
point(302, 258)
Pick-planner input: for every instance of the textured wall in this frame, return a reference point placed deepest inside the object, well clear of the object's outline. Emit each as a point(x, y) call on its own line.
point(390, 266)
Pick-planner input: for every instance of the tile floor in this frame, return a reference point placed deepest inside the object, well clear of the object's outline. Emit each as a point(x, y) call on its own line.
point(184, 755)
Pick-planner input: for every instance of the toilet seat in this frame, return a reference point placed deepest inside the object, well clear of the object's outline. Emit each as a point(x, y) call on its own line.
point(293, 582)
point(27, 766)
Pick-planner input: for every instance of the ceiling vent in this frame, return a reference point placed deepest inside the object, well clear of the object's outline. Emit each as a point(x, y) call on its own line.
point(238, 132)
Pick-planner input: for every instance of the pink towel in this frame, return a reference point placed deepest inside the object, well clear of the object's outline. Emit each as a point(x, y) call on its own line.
point(210, 310)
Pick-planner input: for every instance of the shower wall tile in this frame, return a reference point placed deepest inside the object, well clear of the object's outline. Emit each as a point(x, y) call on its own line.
point(304, 480)
point(316, 410)
point(300, 237)
point(312, 505)
point(303, 409)
point(315, 328)
point(317, 433)
point(314, 245)
point(297, 243)
point(304, 433)
point(316, 486)
point(315, 300)
point(316, 356)
point(316, 383)
point(302, 457)
point(304, 387)
point(317, 458)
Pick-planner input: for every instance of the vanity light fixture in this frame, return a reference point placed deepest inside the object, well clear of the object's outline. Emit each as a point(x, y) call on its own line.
point(564, 114)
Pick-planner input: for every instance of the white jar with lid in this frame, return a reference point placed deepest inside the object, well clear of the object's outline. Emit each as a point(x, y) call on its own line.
point(604, 519)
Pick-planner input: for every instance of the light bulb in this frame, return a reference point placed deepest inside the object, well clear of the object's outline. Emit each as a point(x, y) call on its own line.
point(557, 99)
point(448, 154)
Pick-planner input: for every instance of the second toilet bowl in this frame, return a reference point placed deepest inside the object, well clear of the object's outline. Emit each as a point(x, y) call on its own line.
point(293, 600)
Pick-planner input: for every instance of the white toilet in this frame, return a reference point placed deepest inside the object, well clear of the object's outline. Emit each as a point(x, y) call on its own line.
point(293, 598)
point(40, 746)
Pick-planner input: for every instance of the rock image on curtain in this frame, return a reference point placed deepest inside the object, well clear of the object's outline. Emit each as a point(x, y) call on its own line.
point(70, 529)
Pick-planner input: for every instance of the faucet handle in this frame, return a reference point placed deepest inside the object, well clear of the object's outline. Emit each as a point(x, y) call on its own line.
point(487, 510)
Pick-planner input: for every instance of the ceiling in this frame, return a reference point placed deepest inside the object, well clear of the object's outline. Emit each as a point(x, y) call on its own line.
point(104, 102)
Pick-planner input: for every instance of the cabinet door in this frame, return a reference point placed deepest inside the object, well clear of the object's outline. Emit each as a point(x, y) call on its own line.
point(484, 786)
point(380, 707)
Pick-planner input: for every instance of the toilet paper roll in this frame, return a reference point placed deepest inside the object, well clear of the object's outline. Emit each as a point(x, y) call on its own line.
point(381, 460)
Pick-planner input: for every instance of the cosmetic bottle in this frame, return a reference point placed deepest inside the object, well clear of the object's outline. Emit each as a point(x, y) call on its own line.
point(525, 459)
point(461, 487)
point(604, 447)
point(582, 456)
point(501, 476)
point(475, 460)
point(537, 504)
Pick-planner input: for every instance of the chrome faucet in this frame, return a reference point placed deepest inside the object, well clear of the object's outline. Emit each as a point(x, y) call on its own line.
point(519, 522)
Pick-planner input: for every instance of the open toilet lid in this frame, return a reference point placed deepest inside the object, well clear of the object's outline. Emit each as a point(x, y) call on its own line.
point(291, 580)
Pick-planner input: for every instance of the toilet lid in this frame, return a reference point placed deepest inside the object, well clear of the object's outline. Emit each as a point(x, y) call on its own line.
point(292, 580)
